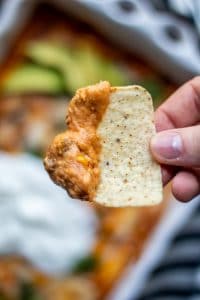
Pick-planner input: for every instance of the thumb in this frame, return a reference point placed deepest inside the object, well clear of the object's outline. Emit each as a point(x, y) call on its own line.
point(179, 147)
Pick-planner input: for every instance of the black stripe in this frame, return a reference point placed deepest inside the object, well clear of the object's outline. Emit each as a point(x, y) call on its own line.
point(198, 208)
point(189, 265)
point(167, 298)
point(189, 237)
point(179, 292)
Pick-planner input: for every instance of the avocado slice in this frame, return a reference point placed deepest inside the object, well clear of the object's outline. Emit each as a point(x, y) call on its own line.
point(80, 66)
point(48, 54)
point(114, 74)
point(58, 57)
point(93, 68)
point(32, 79)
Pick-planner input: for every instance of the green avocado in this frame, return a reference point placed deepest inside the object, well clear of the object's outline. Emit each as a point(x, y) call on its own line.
point(48, 54)
point(80, 66)
point(58, 57)
point(29, 78)
point(93, 68)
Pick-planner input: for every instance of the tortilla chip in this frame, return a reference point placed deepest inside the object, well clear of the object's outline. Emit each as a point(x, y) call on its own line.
point(129, 175)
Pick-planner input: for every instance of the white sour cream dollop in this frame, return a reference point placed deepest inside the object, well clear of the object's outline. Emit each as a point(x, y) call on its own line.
point(38, 220)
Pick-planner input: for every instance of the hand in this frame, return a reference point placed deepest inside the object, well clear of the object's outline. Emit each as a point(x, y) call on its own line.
point(177, 144)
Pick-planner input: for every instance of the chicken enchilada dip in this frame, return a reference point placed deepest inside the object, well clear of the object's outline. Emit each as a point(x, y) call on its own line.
point(36, 81)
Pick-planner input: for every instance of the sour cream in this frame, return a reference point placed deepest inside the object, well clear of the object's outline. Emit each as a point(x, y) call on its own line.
point(38, 220)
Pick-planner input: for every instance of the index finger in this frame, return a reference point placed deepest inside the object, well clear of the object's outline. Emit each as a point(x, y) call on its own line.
point(181, 109)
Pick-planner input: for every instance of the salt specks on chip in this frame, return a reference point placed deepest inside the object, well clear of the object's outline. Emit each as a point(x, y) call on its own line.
point(129, 174)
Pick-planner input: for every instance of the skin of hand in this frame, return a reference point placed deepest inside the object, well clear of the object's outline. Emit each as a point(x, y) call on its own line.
point(176, 146)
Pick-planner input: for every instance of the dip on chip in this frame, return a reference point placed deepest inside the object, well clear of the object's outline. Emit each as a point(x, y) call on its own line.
point(104, 155)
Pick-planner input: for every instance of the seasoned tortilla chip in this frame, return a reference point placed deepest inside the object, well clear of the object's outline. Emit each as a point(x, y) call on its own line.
point(129, 175)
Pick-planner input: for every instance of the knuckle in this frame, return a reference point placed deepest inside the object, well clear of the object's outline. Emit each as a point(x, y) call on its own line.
point(195, 86)
point(196, 80)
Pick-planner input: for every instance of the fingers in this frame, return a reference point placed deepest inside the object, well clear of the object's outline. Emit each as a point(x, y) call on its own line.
point(168, 173)
point(185, 186)
point(177, 147)
point(182, 109)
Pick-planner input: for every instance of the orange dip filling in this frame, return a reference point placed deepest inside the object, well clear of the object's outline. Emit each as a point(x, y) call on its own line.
point(72, 160)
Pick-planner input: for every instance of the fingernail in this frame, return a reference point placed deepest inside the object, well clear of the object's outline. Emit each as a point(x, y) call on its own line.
point(167, 145)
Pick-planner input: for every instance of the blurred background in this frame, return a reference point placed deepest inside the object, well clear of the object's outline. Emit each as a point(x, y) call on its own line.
point(52, 247)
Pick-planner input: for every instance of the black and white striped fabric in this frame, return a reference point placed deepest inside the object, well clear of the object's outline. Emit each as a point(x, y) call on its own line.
point(177, 277)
